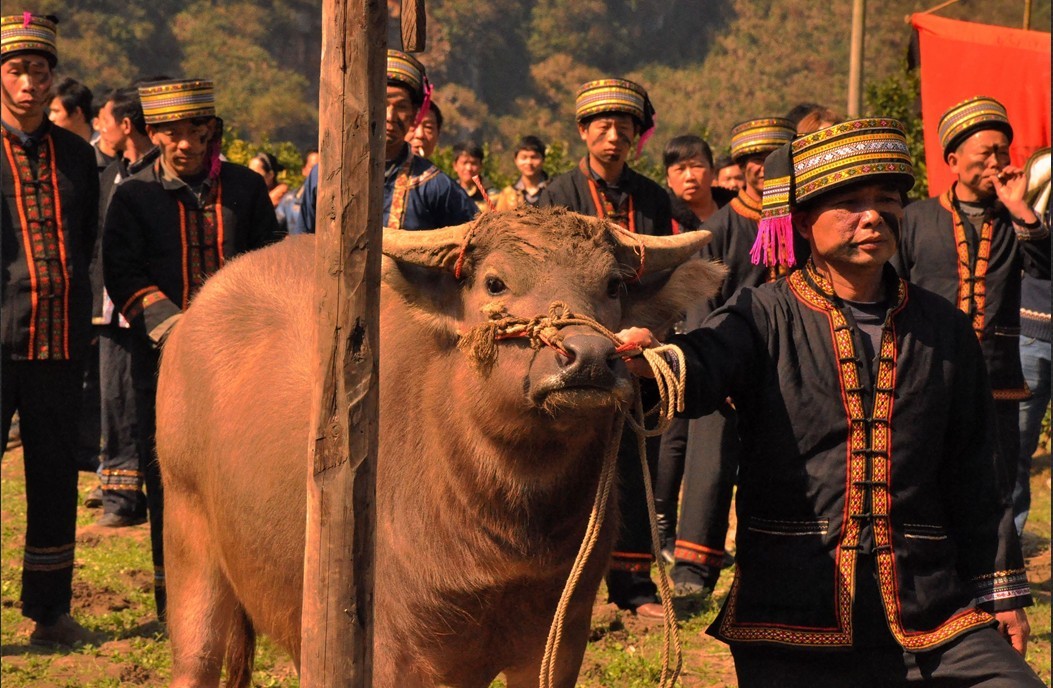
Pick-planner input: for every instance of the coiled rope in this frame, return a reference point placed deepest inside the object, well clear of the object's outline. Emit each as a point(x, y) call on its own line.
point(480, 344)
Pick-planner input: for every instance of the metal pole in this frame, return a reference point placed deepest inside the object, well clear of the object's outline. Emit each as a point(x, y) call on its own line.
point(337, 616)
point(855, 65)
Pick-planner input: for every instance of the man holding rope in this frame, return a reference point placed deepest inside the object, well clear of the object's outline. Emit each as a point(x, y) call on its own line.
point(876, 544)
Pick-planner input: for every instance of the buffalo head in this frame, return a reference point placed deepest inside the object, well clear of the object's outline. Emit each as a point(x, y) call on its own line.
point(521, 262)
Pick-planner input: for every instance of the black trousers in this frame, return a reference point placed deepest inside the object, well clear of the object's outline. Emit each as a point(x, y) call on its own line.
point(46, 395)
point(629, 583)
point(710, 467)
point(122, 460)
point(89, 425)
point(145, 359)
point(1007, 447)
point(980, 658)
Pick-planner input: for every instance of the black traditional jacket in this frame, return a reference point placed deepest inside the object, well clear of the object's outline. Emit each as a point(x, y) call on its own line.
point(837, 458)
point(49, 223)
point(983, 280)
point(161, 242)
point(734, 229)
point(646, 208)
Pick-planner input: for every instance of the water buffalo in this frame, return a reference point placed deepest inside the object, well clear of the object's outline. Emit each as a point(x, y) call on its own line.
point(485, 479)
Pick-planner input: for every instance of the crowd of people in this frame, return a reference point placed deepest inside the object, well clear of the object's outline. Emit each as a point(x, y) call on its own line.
point(858, 376)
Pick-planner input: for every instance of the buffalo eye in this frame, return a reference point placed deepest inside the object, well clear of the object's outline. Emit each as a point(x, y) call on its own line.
point(495, 286)
point(614, 287)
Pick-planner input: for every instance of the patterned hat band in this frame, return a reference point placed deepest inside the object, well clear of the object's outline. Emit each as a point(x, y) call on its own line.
point(405, 69)
point(760, 136)
point(29, 33)
point(170, 101)
point(862, 150)
point(970, 116)
point(612, 96)
point(850, 152)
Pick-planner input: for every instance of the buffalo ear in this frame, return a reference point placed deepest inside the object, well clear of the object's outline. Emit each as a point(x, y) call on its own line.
point(659, 300)
point(431, 296)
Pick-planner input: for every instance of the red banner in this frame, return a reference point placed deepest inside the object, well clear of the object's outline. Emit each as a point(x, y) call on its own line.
point(960, 60)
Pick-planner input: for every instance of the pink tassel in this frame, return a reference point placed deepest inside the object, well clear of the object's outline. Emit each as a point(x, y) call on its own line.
point(215, 163)
point(425, 106)
point(774, 244)
point(646, 135)
point(27, 18)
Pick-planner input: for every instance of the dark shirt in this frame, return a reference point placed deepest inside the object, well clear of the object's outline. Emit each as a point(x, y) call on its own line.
point(46, 300)
point(651, 210)
point(831, 449)
point(433, 200)
point(161, 242)
point(936, 254)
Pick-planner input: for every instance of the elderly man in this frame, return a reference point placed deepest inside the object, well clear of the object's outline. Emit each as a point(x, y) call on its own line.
point(417, 195)
point(169, 227)
point(875, 547)
point(969, 245)
point(49, 223)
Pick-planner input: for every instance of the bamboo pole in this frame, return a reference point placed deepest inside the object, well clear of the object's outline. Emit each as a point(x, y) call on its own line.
point(855, 65)
point(337, 617)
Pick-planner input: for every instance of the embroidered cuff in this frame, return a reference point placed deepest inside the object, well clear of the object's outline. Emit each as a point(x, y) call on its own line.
point(631, 561)
point(1002, 589)
point(158, 333)
point(1032, 231)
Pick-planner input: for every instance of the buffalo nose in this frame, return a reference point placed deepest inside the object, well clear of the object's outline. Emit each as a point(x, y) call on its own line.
point(588, 360)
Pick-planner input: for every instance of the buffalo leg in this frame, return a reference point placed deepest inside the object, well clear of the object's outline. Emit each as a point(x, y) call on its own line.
point(201, 603)
point(568, 657)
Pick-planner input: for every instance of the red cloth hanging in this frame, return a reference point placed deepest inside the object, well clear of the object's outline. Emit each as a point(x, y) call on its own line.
point(960, 60)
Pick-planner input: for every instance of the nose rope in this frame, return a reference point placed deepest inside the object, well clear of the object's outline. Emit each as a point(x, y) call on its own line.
point(480, 345)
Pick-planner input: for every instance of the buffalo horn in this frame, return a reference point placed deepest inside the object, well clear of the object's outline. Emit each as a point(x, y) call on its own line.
point(434, 248)
point(660, 253)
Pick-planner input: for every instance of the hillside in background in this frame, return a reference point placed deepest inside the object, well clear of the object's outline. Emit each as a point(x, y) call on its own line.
point(509, 67)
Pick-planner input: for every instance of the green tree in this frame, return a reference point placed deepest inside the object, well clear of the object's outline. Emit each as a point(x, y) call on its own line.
point(899, 96)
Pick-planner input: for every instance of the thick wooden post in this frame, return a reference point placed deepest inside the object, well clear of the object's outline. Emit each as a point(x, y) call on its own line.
point(855, 64)
point(337, 620)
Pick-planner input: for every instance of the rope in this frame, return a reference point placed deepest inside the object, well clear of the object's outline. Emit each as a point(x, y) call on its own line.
point(480, 345)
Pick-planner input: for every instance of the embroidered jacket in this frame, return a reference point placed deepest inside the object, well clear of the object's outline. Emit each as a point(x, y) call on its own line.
point(645, 208)
point(982, 280)
point(837, 458)
point(49, 223)
point(417, 195)
point(161, 242)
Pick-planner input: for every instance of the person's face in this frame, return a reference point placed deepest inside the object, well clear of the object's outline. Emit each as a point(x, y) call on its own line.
point(529, 163)
point(256, 165)
point(424, 137)
point(609, 138)
point(309, 163)
point(979, 160)
point(183, 144)
point(855, 227)
point(111, 132)
point(690, 179)
point(26, 80)
point(466, 167)
point(399, 119)
point(753, 173)
point(731, 177)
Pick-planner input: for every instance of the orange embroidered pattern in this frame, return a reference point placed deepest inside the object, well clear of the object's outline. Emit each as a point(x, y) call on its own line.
point(869, 444)
point(972, 283)
point(746, 207)
point(39, 208)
